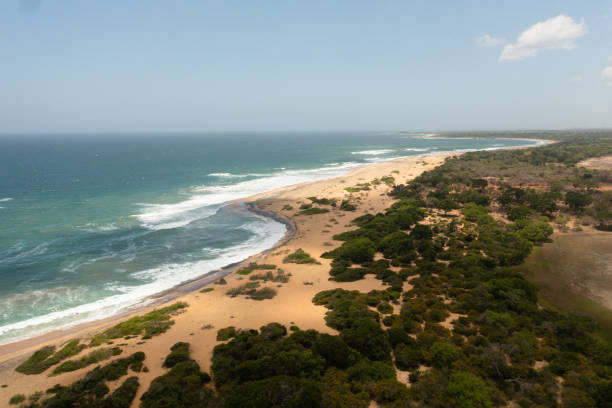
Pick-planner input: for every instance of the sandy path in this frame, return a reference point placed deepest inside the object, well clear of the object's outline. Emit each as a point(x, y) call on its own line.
point(292, 305)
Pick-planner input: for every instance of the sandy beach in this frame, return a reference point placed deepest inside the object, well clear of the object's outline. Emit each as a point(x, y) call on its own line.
point(292, 305)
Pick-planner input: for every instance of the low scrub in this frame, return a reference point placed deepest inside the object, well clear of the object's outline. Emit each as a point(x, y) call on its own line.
point(253, 266)
point(151, 324)
point(92, 358)
point(300, 257)
point(46, 357)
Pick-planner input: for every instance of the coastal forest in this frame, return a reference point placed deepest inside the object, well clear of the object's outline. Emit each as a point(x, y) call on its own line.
point(457, 318)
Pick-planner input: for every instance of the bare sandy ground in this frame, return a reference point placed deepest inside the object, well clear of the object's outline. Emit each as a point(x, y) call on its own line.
point(597, 163)
point(292, 306)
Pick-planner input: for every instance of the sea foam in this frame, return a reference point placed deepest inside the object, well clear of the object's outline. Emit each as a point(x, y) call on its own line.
point(152, 281)
point(204, 201)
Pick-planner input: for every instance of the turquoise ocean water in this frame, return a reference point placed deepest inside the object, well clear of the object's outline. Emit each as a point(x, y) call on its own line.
point(94, 224)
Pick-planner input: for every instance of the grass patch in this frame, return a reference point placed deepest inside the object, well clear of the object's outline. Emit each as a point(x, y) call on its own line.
point(253, 266)
point(151, 324)
point(252, 291)
point(571, 275)
point(221, 281)
point(242, 289)
point(388, 180)
point(46, 357)
point(92, 358)
point(324, 201)
point(263, 293)
point(359, 187)
point(269, 276)
point(312, 211)
point(206, 290)
point(300, 257)
point(91, 390)
point(287, 207)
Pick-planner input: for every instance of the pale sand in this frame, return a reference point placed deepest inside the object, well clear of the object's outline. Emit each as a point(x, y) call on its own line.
point(292, 305)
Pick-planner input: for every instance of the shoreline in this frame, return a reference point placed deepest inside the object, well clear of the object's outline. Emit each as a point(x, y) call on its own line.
point(258, 204)
point(292, 304)
point(250, 204)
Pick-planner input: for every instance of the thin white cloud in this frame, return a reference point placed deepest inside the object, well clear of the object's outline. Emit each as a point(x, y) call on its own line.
point(487, 41)
point(557, 33)
point(606, 74)
point(610, 58)
point(576, 78)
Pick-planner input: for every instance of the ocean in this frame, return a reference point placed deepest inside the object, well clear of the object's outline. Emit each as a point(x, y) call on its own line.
point(93, 225)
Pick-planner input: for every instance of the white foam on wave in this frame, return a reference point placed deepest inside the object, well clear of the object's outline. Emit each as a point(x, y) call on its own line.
point(417, 149)
point(155, 280)
point(205, 200)
point(373, 152)
point(18, 255)
point(232, 175)
point(5, 199)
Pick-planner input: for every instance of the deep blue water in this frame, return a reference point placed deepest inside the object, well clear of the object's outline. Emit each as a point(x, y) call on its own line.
point(93, 224)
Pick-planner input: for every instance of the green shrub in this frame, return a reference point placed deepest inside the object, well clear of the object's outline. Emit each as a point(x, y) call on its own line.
point(92, 358)
point(151, 324)
point(46, 357)
point(178, 353)
point(279, 391)
point(263, 293)
point(92, 389)
point(300, 257)
point(182, 386)
point(312, 211)
point(17, 399)
point(385, 308)
point(206, 290)
point(345, 205)
point(226, 333)
point(254, 266)
point(324, 201)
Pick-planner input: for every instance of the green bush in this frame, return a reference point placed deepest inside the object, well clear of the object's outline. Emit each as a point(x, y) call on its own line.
point(279, 391)
point(345, 205)
point(312, 211)
point(254, 266)
point(17, 399)
point(300, 257)
point(92, 358)
point(359, 250)
point(46, 357)
point(151, 324)
point(182, 386)
point(226, 333)
point(91, 390)
point(178, 353)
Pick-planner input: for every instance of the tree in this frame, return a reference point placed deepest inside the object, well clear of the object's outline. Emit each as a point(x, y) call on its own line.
point(466, 390)
point(576, 201)
point(447, 205)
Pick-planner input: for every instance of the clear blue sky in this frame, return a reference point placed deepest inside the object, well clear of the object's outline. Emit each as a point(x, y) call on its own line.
point(114, 66)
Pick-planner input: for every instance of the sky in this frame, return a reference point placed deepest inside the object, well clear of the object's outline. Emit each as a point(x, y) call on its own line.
point(198, 66)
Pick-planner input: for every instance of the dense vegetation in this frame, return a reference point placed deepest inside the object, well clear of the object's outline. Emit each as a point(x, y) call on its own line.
point(456, 318)
point(91, 390)
point(182, 386)
point(47, 357)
